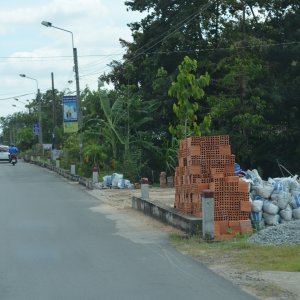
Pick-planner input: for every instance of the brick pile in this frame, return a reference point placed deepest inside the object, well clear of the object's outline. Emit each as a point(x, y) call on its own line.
point(206, 162)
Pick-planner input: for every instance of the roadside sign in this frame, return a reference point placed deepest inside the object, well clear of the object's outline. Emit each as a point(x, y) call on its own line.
point(36, 129)
point(70, 114)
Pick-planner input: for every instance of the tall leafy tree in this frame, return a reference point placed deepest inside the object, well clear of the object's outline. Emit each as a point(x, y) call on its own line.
point(188, 89)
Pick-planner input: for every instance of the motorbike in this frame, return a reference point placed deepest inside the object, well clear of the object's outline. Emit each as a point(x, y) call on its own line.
point(13, 159)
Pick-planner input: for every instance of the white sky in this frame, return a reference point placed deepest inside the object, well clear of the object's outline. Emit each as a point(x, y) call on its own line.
point(27, 47)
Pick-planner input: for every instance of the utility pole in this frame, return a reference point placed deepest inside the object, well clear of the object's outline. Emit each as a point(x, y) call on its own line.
point(79, 114)
point(53, 112)
point(40, 116)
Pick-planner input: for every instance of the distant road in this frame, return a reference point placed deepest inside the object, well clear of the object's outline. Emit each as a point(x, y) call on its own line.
point(55, 246)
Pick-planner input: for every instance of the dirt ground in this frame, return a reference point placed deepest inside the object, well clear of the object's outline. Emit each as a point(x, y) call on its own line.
point(264, 285)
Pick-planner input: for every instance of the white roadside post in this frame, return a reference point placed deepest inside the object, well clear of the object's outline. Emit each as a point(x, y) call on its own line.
point(57, 163)
point(95, 175)
point(73, 172)
point(144, 189)
point(208, 222)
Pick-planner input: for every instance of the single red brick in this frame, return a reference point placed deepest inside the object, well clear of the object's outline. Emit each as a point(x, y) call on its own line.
point(245, 206)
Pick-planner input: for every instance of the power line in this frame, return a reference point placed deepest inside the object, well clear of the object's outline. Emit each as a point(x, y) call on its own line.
point(201, 50)
point(179, 25)
point(16, 96)
point(59, 56)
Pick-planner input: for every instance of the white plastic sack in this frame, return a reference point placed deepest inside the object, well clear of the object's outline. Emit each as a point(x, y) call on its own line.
point(281, 198)
point(285, 184)
point(254, 177)
point(256, 205)
point(295, 192)
point(271, 219)
point(107, 181)
point(124, 184)
point(256, 216)
point(286, 214)
point(281, 184)
point(294, 184)
point(295, 201)
point(270, 208)
point(296, 213)
point(263, 190)
point(115, 177)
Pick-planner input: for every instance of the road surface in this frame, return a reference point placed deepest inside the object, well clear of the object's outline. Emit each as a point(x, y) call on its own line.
point(59, 243)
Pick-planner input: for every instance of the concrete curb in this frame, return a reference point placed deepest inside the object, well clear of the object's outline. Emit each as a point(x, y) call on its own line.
point(188, 223)
point(87, 182)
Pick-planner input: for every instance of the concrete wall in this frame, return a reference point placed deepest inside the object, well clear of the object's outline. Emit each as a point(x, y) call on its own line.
point(168, 215)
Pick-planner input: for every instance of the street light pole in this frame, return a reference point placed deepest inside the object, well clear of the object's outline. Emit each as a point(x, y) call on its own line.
point(38, 96)
point(79, 114)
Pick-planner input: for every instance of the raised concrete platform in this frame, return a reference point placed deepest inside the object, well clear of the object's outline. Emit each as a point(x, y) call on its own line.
point(168, 215)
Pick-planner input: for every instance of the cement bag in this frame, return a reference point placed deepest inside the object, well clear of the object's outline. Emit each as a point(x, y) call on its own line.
point(256, 216)
point(296, 213)
point(294, 184)
point(280, 184)
point(286, 214)
point(295, 187)
point(263, 190)
point(295, 192)
point(115, 178)
point(295, 201)
point(270, 208)
point(271, 219)
point(124, 184)
point(107, 181)
point(254, 176)
point(281, 198)
point(256, 205)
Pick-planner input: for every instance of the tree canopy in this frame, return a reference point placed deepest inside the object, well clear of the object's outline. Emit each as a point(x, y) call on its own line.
point(222, 66)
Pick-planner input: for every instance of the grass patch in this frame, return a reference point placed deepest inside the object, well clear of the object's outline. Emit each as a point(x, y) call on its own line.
point(240, 253)
point(271, 258)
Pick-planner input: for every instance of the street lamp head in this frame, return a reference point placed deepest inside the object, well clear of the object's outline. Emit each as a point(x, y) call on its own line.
point(47, 24)
point(22, 75)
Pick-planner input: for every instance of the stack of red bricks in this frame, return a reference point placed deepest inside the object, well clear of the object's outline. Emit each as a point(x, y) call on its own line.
point(206, 162)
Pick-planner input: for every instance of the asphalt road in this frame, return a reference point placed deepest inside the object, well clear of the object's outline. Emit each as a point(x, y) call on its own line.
point(55, 245)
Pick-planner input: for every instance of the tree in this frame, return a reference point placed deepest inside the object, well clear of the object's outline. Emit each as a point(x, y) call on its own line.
point(25, 139)
point(187, 89)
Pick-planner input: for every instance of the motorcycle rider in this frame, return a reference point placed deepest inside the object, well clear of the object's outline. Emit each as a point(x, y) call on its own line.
point(13, 150)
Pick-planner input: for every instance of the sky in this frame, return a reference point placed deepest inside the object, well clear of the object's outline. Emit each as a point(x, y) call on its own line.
point(27, 47)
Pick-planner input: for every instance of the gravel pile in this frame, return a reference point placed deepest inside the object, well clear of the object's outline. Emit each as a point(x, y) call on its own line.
point(283, 234)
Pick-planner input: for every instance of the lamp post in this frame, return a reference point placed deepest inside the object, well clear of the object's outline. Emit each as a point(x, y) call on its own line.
point(39, 107)
point(48, 24)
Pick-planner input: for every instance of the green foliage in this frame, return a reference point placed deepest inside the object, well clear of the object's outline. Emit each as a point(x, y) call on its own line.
point(71, 149)
point(187, 89)
point(94, 154)
point(25, 139)
point(171, 156)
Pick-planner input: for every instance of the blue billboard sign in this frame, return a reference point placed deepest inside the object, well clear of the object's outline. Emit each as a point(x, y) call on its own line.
point(70, 114)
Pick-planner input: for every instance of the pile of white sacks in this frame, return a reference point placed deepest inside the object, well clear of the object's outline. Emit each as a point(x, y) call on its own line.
point(274, 201)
